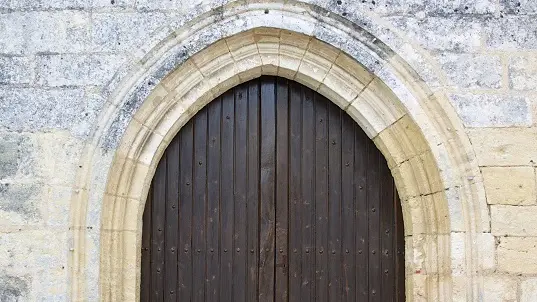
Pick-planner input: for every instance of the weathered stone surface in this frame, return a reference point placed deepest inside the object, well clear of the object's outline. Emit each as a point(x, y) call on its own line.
point(513, 220)
point(455, 33)
point(22, 204)
point(471, 70)
point(523, 73)
point(124, 31)
point(35, 263)
point(17, 156)
point(517, 255)
point(528, 290)
point(500, 288)
point(16, 70)
point(509, 185)
point(518, 7)
point(492, 110)
point(48, 4)
point(72, 69)
point(500, 33)
point(14, 288)
point(504, 147)
point(30, 109)
point(30, 32)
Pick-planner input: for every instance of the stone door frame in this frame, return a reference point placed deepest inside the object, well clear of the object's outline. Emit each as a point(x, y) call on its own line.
point(407, 116)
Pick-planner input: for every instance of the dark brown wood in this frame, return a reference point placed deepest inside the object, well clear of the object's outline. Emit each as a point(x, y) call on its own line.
point(295, 193)
point(157, 236)
point(334, 202)
point(213, 199)
point(267, 190)
point(226, 197)
point(252, 159)
point(172, 224)
point(321, 197)
point(240, 171)
point(307, 209)
point(272, 193)
point(282, 189)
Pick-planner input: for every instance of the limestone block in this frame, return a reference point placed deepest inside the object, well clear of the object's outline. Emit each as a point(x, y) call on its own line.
point(29, 109)
point(16, 70)
point(377, 107)
point(509, 185)
point(499, 288)
point(519, 7)
point(523, 72)
point(125, 31)
point(40, 31)
point(74, 69)
point(517, 255)
point(528, 290)
point(504, 147)
point(21, 158)
point(22, 204)
point(472, 70)
point(499, 33)
point(452, 32)
point(492, 110)
point(49, 4)
point(513, 220)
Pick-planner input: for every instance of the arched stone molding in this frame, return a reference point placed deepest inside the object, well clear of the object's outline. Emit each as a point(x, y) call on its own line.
point(414, 127)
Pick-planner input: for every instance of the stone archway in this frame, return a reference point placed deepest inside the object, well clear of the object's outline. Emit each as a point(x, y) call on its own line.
point(415, 129)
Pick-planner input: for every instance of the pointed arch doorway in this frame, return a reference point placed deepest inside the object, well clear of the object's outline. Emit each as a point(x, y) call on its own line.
point(272, 193)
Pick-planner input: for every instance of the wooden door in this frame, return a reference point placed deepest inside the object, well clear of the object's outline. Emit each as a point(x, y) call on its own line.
point(272, 193)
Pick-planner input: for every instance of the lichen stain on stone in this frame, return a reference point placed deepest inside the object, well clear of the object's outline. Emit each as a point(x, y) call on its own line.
point(19, 199)
point(13, 288)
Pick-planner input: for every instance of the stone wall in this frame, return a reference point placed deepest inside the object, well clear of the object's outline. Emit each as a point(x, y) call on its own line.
point(62, 63)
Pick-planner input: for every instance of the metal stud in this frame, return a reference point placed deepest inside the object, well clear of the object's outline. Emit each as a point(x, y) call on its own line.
point(238, 250)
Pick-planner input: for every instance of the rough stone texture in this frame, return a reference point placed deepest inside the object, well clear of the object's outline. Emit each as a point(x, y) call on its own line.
point(510, 185)
point(517, 255)
point(513, 220)
point(36, 109)
point(504, 147)
point(523, 73)
point(499, 33)
point(76, 70)
point(472, 71)
point(500, 288)
point(16, 70)
point(62, 62)
point(528, 289)
point(492, 111)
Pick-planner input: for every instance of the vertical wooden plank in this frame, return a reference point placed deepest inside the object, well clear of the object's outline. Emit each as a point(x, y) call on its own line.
point(199, 187)
point(321, 197)
point(184, 290)
point(214, 111)
point(399, 248)
point(282, 189)
point(240, 252)
point(226, 197)
point(308, 177)
point(267, 183)
point(386, 212)
point(361, 151)
point(348, 211)
point(172, 227)
point(373, 198)
point(159, 222)
point(334, 202)
point(145, 290)
point(295, 192)
point(253, 191)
